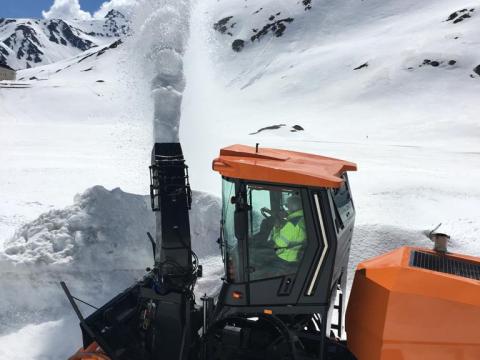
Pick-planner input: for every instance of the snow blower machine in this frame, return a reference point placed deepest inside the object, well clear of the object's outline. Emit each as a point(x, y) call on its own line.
point(286, 232)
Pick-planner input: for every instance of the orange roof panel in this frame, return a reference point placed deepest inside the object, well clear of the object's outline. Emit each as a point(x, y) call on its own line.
point(281, 166)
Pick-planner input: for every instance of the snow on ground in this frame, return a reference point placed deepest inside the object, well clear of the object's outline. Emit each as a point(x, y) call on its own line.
point(413, 132)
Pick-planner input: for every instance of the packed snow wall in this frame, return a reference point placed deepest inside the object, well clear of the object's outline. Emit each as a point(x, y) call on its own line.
point(98, 246)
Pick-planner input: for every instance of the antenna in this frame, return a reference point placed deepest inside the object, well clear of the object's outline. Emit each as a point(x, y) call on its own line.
point(256, 147)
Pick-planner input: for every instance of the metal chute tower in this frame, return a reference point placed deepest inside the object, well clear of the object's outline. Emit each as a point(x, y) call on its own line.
point(171, 199)
point(176, 265)
point(156, 316)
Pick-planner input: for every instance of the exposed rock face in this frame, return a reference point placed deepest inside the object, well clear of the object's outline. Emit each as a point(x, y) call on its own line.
point(116, 23)
point(238, 45)
point(477, 70)
point(3, 55)
point(25, 43)
point(438, 63)
point(260, 23)
point(222, 25)
point(307, 4)
point(460, 15)
point(277, 27)
point(363, 66)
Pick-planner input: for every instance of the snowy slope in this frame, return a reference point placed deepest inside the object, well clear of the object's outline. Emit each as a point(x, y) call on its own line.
point(410, 124)
point(26, 43)
point(412, 131)
point(73, 126)
point(307, 75)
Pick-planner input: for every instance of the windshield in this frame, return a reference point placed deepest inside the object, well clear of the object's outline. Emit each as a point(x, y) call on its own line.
point(276, 232)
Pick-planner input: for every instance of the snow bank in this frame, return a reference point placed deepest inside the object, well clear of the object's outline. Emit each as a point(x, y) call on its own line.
point(103, 223)
point(98, 246)
point(85, 232)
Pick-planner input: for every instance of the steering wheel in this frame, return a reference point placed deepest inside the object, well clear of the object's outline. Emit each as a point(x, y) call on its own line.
point(266, 212)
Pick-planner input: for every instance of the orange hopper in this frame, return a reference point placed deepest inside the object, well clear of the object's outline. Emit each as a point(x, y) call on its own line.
point(415, 304)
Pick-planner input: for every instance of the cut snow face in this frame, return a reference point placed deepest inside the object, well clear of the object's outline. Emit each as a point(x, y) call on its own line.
point(99, 228)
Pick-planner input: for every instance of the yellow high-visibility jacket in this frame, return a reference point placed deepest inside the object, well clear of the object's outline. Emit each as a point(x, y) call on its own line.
point(290, 237)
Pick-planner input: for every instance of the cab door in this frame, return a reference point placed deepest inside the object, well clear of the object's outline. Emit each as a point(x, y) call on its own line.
point(281, 243)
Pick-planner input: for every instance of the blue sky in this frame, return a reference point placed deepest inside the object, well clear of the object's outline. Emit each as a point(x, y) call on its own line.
point(33, 8)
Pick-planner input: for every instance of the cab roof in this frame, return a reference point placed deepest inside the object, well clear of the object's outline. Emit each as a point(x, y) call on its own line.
point(281, 166)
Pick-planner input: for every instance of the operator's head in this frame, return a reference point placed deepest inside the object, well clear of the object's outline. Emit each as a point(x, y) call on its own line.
point(294, 203)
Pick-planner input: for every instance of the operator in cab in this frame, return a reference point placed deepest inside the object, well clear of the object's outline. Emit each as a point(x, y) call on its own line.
point(289, 236)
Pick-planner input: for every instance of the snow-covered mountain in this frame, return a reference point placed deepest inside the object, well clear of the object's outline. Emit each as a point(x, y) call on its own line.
point(26, 43)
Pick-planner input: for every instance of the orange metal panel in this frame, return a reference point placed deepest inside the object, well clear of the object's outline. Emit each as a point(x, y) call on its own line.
point(92, 352)
point(399, 312)
point(281, 166)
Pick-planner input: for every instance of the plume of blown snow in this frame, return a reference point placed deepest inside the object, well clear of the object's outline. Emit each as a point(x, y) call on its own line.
point(66, 10)
point(161, 33)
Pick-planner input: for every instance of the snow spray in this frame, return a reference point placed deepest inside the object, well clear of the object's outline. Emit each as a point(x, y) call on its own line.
point(162, 38)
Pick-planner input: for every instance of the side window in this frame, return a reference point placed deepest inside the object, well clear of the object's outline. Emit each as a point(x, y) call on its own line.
point(230, 249)
point(343, 204)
